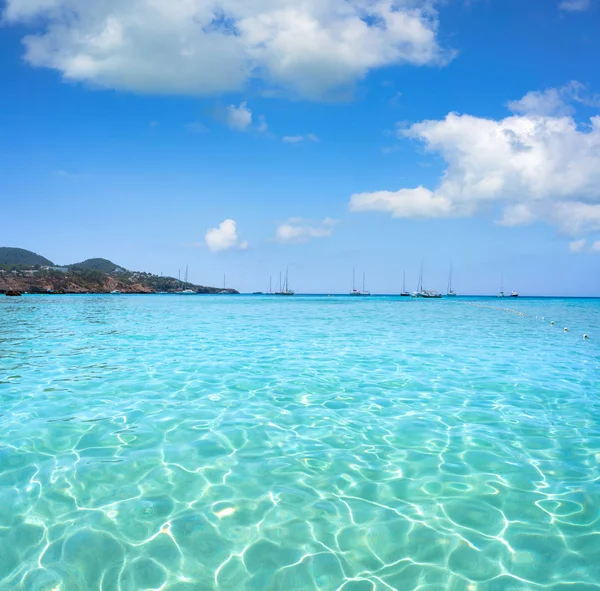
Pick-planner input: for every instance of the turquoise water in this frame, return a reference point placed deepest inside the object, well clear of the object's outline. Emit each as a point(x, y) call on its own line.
point(298, 444)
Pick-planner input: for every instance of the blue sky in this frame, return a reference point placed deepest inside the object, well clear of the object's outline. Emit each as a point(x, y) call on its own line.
point(323, 130)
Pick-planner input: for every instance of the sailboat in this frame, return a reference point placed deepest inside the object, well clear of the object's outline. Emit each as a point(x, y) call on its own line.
point(425, 293)
point(187, 291)
point(224, 290)
point(404, 293)
point(357, 292)
point(450, 293)
point(501, 294)
point(285, 289)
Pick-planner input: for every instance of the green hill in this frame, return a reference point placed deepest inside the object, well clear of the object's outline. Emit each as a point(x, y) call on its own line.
point(103, 265)
point(20, 256)
point(23, 271)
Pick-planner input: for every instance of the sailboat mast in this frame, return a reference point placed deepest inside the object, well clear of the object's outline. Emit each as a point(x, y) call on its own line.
point(353, 278)
point(224, 281)
point(186, 273)
point(403, 281)
point(363, 282)
point(280, 284)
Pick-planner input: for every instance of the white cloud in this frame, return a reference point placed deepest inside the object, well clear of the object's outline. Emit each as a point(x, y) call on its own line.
point(224, 237)
point(596, 246)
point(575, 5)
point(241, 118)
point(262, 125)
point(301, 230)
point(405, 203)
point(533, 166)
point(545, 103)
point(296, 139)
point(555, 101)
point(238, 118)
point(310, 48)
point(577, 246)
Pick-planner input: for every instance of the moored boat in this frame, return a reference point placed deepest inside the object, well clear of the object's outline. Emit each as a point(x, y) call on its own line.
point(450, 292)
point(404, 293)
point(428, 294)
point(284, 289)
point(358, 292)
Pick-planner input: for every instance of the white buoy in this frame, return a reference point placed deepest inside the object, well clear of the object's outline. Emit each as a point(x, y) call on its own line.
point(566, 329)
point(552, 323)
point(585, 337)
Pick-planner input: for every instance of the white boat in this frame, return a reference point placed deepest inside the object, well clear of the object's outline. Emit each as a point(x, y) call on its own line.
point(450, 292)
point(429, 294)
point(501, 294)
point(186, 291)
point(514, 294)
point(115, 292)
point(284, 289)
point(357, 292)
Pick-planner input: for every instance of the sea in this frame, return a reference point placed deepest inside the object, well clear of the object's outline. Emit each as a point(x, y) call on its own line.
point(257, 443)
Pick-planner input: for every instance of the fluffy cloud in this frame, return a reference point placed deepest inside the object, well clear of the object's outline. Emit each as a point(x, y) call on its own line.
point(301, 230)
point(224, 237)
point(297, 139)
point(405, 203)
point(238, 118)
point(577, 246)
point(575, 5)
point(596, 246)
point(309, 48)
point(538, 164)
point(555, 101)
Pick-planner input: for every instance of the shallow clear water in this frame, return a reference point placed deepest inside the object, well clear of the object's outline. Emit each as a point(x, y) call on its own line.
point(295, 444)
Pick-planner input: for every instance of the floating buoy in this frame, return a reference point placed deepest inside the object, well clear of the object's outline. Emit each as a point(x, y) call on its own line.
point(566, 329)
point(542, 318)
point(585, 337)
point(552, 323)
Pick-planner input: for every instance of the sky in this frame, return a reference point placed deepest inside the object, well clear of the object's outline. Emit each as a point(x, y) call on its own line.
point(244, 137)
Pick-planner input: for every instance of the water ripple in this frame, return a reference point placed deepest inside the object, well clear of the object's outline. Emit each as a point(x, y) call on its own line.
point(254, 444)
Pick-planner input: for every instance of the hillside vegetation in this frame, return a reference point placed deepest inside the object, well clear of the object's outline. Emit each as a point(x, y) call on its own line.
point(25, 271)
point(19, 256)
point(103, 265)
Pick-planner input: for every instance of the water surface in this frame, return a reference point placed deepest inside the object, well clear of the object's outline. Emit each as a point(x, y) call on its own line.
point(299, 444)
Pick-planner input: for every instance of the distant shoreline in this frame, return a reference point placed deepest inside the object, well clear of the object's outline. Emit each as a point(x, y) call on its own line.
point(314, 295)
